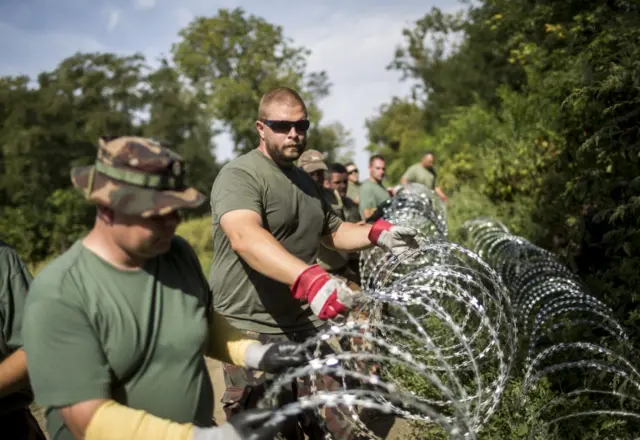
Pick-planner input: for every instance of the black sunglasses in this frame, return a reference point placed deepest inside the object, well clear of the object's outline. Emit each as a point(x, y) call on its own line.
point(301, 126)
point(355, 170)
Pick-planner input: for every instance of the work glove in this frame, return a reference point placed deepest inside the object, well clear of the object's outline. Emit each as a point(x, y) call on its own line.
point(396, 239)
point(327, 296)
point(246, 425)
point(274, 357)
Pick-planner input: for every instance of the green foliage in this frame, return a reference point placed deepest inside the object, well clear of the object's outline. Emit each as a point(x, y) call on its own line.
point(233, 58)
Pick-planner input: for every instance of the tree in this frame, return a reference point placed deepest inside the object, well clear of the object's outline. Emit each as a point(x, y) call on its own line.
point(177, 118)
point(232, 59)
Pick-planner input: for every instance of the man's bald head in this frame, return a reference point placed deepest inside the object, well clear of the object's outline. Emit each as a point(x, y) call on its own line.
point(279, 97)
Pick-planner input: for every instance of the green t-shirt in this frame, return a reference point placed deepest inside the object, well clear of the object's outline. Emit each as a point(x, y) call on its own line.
point(416, 173)
point(14, 285)
point(331, 259)
point(353, 191)
point(294, 211)
point(94, 331)
point(371, 195)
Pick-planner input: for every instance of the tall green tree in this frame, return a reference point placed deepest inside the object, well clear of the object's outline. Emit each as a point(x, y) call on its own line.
point(233, 58)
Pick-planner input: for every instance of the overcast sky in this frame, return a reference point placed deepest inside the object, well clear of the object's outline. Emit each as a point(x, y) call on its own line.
point(353, 40)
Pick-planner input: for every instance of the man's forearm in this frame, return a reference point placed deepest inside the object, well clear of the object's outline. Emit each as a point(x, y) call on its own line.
point(265, 254)
point(441, 194)
point(350, 237)
point(13, 373)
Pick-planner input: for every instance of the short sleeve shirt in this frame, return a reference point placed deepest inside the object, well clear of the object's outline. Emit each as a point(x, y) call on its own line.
point(416, 173)
point(353, 190)
point(295, 212)
point(14, 285)
point(371, 195)
point(94, 331)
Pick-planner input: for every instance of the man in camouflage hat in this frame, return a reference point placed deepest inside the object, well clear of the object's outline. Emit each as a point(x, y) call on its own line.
point(116, 328)
point(16, 420)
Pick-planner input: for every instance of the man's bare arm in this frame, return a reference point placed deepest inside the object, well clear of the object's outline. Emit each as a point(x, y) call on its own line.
point(13, 373)
point(441, 194)
point(259, 248)
point(78, 416)
point(349, 237)
point(404, 180)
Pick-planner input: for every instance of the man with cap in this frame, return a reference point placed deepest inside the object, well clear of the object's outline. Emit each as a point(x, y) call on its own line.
point(115, 329)
point(16, 420)
point(333, 261)
point(269, 219)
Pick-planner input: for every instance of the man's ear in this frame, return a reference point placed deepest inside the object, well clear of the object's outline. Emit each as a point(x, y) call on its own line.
point(105, 214)
point(260, 128)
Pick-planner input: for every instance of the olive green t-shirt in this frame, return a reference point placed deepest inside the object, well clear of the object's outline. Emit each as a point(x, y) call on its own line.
point(331, 259)
point(371, 195)
point(14, 285)
point(94, 331)
point(295, 212)
point(416, 173)
point(353, 191)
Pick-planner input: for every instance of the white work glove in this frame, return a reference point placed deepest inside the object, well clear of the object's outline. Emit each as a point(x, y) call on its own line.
point(396, 239)
point(327, 296)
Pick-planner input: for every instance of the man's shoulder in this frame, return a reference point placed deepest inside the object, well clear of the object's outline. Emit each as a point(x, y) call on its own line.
point(368, 185)
point(58, 277)
point(8, 255)
point(245, 162)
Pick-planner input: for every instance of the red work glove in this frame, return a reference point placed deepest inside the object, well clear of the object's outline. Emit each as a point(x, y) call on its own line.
point(327, 296)
point(396, 239)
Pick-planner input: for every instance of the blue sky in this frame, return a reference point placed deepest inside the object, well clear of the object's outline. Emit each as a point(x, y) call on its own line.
point(353, 40)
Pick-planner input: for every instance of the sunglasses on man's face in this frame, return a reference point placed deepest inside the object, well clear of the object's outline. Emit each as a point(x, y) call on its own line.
point(353, 171)
point(301, 126)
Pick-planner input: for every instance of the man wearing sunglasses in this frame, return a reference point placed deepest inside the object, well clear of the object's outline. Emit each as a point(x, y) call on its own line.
point(353, 188)
point(269, 219)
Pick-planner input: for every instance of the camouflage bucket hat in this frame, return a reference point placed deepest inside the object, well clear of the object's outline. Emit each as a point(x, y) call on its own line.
point(312, 160)
point(136, 176)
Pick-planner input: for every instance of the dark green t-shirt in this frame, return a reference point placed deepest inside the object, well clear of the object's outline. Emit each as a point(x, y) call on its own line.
point(371, 195)
point(416, 173)
point(14, 285)
point(94, 331)
point(294, 211)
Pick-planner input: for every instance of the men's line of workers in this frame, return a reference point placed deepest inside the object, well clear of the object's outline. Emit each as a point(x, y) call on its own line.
point(115, 329)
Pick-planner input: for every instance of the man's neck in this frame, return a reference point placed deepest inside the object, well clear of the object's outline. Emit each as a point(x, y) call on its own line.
point(100, 243)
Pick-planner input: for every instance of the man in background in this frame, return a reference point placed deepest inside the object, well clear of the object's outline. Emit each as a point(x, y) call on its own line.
point(372, 191)
point(424, 173)
point(338, 179)
point(353, 188)
point(16, 420)
point(333, 261)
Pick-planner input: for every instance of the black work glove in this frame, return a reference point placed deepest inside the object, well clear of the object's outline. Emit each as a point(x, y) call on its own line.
point(280, 356)
point(247, 425)
point(251, 424)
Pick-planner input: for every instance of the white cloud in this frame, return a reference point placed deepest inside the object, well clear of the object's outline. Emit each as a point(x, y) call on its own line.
point(142, 5)
point(183, 16)
point(40, 51)
point(113, 18)
point(355, 54)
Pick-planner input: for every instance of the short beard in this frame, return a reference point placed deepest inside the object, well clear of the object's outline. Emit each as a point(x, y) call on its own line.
point(278, 156)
